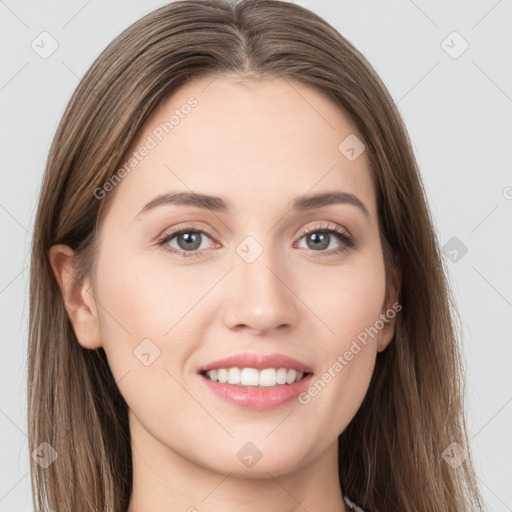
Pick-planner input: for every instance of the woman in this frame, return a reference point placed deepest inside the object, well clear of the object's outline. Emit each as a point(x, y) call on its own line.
point(237, 295)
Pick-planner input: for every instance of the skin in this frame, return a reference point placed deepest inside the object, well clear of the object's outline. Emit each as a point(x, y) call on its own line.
point(252, 142)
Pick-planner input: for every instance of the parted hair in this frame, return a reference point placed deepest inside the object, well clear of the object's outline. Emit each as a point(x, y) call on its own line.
point(390, 455)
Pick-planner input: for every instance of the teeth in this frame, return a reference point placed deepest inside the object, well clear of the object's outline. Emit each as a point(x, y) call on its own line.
point(268, 377)
point(281, 375)
point(249, 377)
point(233, 376)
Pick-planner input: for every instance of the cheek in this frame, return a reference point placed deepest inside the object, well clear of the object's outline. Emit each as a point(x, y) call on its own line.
point(142, 299)
point(147, 315)
point(145, 297)
point(346, 301)
point(349, 302)
point(148, 298)
point(149, 332)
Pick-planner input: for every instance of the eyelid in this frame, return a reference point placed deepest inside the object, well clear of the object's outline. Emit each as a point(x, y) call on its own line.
point(304, 231)
point(324, 227)
point(344, 234)
point(187, 227)
point(169, 234)
point(348, 242)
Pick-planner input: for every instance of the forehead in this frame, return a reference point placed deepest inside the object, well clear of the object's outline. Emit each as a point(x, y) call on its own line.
point(250, 140)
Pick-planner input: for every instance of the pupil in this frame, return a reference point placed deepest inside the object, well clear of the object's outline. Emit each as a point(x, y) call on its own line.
point(321, 240)
point(191, 240)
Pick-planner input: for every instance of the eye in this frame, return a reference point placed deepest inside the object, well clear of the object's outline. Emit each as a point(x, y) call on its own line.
point(320, 238)
point(189, 240)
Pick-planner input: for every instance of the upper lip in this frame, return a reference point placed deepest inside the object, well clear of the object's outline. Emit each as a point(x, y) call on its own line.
point(258, 361)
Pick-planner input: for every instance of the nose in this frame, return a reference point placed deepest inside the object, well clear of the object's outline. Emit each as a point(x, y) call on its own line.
point(261, 297)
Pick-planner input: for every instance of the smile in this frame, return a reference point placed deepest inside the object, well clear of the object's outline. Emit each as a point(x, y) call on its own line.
point(268, 377)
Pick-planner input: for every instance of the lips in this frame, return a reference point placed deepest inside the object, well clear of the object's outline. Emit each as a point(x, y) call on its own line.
point(257, 398)
point(257, 361)
point(269, 394)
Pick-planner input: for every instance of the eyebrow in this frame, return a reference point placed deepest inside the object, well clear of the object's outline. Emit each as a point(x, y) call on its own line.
point(217, 204)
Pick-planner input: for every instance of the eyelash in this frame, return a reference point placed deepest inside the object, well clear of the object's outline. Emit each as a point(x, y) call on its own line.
point(348, 242)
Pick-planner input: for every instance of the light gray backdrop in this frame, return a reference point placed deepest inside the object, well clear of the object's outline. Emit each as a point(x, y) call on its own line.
point(448, 65)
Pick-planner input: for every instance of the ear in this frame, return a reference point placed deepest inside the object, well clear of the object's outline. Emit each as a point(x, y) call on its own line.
point(78, 298)
point(390, 309)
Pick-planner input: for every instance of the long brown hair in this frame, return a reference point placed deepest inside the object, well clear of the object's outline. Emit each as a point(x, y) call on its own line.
point(391, 454)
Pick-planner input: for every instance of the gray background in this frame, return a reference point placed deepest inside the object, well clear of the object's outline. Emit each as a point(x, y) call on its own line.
point(458, 109)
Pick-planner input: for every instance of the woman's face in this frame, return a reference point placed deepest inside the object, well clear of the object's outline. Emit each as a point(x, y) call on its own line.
point(254, 272)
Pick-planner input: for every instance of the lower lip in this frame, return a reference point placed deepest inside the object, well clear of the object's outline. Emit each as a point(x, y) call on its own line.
point(259, 398)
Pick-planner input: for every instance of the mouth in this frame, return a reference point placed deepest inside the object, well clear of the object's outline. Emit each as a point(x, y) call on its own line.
point(243, 392)
point(251, 377)
point(256, 381)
